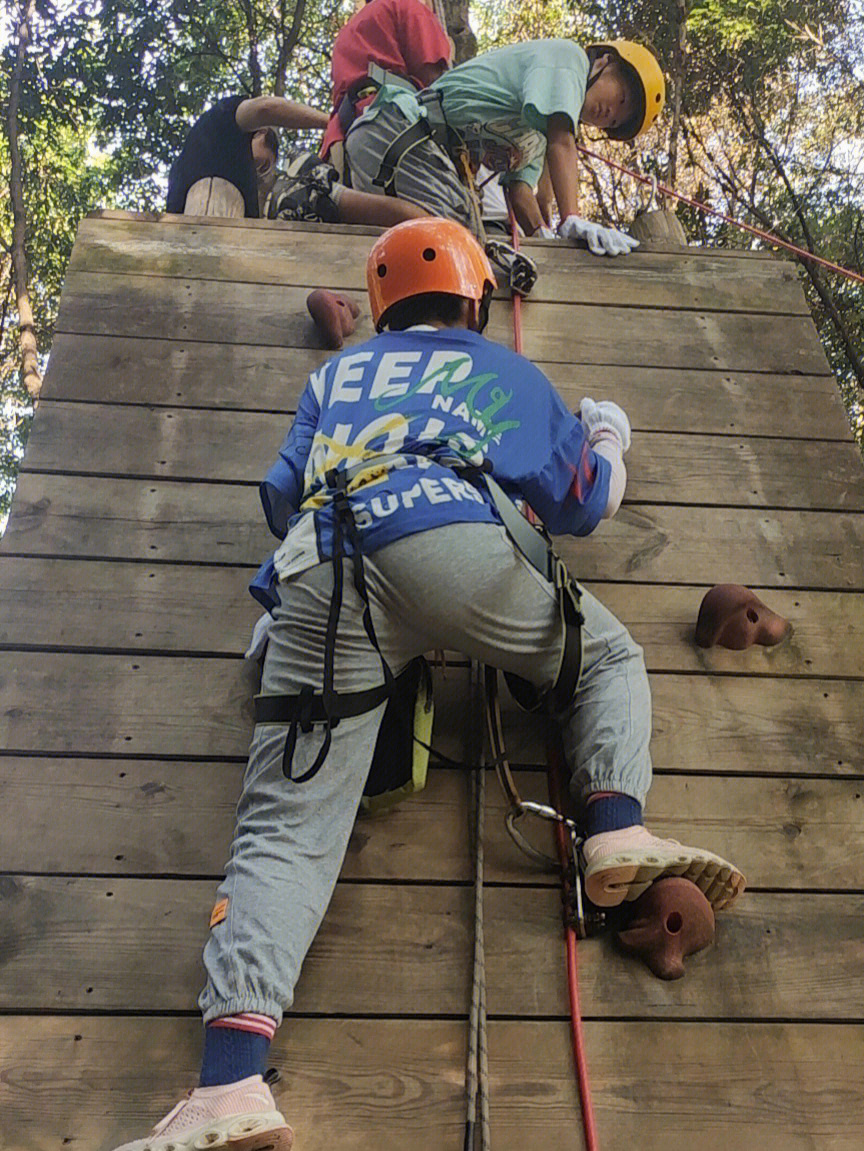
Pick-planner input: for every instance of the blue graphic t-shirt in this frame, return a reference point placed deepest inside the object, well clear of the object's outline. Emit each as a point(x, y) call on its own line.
point(428, 395)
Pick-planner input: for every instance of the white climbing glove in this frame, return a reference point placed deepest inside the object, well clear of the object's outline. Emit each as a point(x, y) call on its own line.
point(601, 241)
point(604, 420)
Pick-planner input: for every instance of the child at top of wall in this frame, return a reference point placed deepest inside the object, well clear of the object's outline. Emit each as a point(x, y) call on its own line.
point(510, 109)
point(228, 167)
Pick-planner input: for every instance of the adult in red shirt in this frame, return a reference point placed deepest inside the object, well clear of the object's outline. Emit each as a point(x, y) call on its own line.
point(401, 36)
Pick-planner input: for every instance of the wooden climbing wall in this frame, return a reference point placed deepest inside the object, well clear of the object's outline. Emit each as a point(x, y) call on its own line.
point(181, 349)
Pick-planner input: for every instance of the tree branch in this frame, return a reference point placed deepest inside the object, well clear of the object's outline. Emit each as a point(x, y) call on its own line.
point(252, 56)
point(30, 374)
point(287, 44)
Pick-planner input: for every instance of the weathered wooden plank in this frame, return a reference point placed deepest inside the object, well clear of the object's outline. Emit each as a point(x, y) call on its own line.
point(237, 446)
point(785, 833)
point(716, 1087)
point(137, 519)
point(675, 544)
point(177, 818)
point(304, 229)
point(92, 604)
point(167, 520)
point(344, 1083)
point(153, 706)
point(87, 944)
point(687, 279)
point(131, 370)
point(737, 724)
point(355, 1083)
point(210, 310)
point(768, 962)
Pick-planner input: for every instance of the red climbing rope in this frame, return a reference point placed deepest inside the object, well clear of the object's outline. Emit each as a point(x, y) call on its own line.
point(769, 237)
point(564, 856)
point(577, 1034)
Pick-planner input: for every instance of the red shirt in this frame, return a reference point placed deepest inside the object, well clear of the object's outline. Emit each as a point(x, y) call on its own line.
point(403, 36)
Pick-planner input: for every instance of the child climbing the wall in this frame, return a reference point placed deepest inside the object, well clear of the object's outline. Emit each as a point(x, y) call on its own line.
point(391, 543)
point(508, 109)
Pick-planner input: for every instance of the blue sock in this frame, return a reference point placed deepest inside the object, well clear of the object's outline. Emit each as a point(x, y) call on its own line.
point(611, 813)
point(230, 1054)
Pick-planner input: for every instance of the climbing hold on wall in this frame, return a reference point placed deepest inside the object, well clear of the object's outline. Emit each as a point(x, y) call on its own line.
point(334, 314)
point(732, 616)
point(670, 921)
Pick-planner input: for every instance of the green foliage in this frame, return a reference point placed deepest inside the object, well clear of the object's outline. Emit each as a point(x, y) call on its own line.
point(772, 129)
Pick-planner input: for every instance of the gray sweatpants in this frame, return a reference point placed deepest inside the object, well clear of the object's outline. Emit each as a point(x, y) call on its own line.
point(462, 587)
point(425, 175)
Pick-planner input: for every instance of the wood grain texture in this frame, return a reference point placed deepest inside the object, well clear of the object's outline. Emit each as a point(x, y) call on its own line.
point(157, 706)
point(242, 376)
point(232, 313)
point(723, 1087)
point(124, 737)
point(731, 724)
point(154, 442)
point(168, 520)
point(176, 818)
point(124, 606)
point(688, 279)
point(87, 944)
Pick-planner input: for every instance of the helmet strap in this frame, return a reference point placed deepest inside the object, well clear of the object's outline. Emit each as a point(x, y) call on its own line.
point(481, 309)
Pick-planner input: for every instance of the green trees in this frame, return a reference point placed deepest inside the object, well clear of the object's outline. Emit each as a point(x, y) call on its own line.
point(769, 127)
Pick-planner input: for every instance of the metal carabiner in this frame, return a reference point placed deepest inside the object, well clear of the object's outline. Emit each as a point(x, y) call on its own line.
point(540, 811)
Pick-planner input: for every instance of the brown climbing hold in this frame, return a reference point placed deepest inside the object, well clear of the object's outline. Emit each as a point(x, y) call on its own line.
point(732, 616)
point(670, 921)
point(334, 314)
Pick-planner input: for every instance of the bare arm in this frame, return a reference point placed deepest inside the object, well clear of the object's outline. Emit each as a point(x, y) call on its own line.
point(545, 196)
point(525, 207)
point(276, 112)
point(561, 160)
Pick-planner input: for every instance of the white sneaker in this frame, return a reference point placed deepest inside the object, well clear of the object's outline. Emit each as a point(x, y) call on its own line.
point(238, 1117)
point(618, 866)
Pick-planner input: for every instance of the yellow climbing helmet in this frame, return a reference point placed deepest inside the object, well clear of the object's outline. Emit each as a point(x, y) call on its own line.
point(649, 86)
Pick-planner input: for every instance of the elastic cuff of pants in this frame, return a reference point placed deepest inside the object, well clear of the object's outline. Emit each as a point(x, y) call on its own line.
point(609, 783)
point(240, 1006)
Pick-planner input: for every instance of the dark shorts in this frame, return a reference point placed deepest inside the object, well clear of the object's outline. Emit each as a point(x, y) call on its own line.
point(215, 146)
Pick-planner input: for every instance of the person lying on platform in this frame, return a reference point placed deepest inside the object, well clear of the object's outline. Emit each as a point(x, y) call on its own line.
point(390, 498)
point(508, 109)
point(227, 167)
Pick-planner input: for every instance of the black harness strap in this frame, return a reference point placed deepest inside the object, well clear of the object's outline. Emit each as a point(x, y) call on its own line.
point(301, 711)
point(395, 154)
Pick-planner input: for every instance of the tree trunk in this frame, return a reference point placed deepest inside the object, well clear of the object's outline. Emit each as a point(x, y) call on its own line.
point(30, 374)
point(458, 29)
point(252, 54)
point(679, 68)
point(287, 43)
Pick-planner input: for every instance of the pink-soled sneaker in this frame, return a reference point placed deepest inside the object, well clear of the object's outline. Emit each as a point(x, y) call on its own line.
point(237, 1117)
point(618, 866)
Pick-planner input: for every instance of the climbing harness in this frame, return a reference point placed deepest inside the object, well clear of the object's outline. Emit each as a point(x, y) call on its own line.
point(768, 237)
point(401, 754)
point(432, 125)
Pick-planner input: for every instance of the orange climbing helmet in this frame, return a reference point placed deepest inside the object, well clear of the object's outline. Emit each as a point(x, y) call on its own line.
point(647, 82)
point(428, 255)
